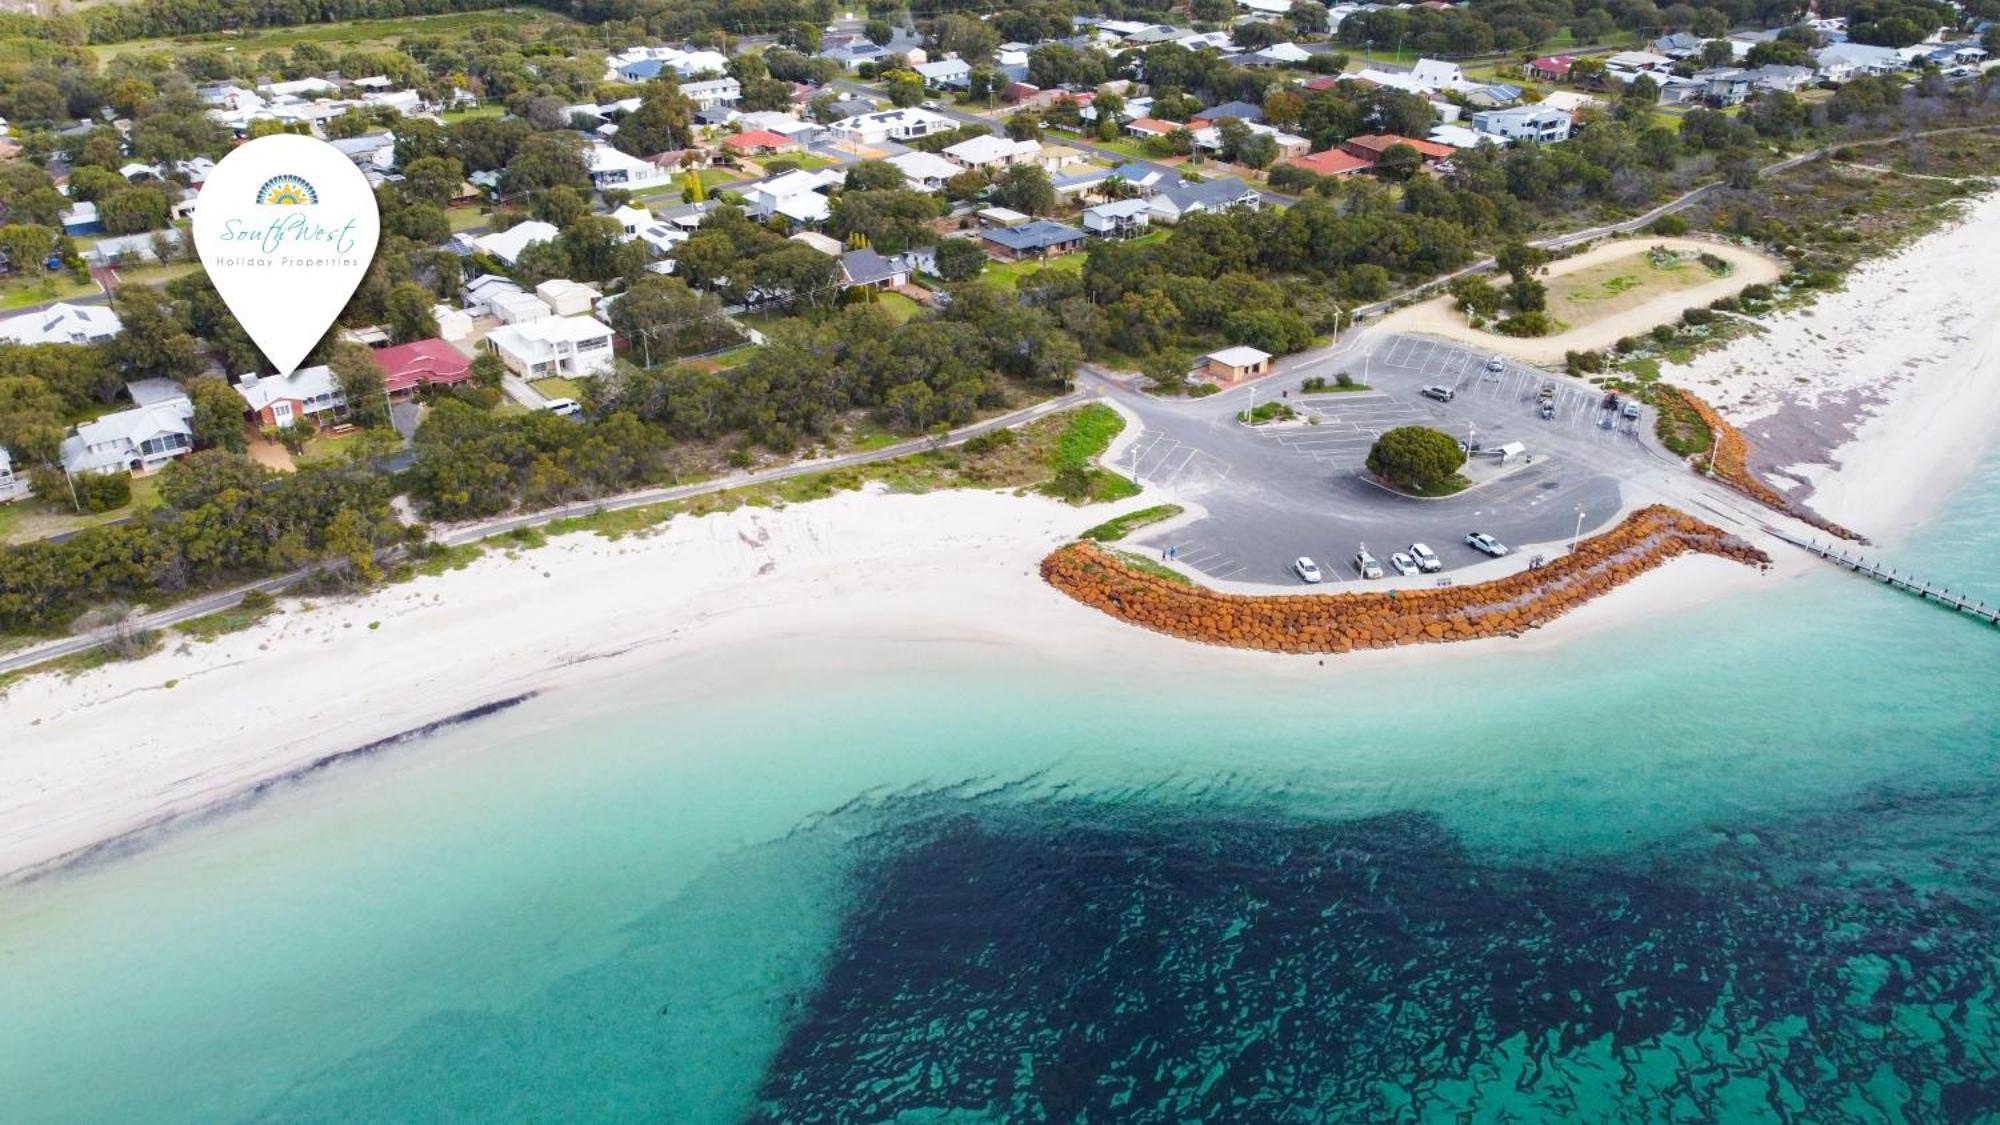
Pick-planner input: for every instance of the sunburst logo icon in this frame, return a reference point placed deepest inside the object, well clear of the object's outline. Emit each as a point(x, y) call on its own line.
point(287, 191)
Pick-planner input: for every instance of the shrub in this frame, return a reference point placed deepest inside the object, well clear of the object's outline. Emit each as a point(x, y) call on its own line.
point(1662, 334)
point(1669, 225)
point(1694, 317)
point(1756, 293)
point(1343, 380)
point(1525, 324)
point(1416, 457)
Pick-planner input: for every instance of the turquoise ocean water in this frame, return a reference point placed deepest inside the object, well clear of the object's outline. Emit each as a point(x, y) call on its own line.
point(1736, 865)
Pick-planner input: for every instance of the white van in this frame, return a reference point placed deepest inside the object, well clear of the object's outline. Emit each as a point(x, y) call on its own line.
point(563, 406)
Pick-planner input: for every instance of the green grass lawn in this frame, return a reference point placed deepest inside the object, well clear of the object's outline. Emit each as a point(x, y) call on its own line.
point(488, 110)
point(326, 447)
point(558, 387)
point(156, 275)
point(899, 306)
point(465, 218)
point(20, 292)
point(1007, 275)
point(1110, 531)
point(28, 519)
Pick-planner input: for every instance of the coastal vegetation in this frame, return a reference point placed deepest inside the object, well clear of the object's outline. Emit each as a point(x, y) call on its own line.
point(1118, 527)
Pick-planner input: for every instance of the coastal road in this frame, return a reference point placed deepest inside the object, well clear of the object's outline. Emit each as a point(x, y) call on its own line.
point(485, 529)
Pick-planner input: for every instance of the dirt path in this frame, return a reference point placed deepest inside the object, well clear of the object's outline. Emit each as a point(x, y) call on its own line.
point(1437, 317)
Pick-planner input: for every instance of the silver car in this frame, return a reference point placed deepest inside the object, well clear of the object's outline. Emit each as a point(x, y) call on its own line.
point(1306, 569)
point(1427, 560)
point(1482, 542)
point(1402, 564)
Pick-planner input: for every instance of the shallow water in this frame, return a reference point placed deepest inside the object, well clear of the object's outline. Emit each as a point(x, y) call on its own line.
point(1736, 864)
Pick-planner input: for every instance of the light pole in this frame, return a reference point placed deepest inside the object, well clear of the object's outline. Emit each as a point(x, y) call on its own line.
point(1579, 529)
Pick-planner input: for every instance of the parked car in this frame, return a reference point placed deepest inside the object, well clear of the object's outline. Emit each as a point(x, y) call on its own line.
point(1427, 560)
point(1402, 564)
point(1365, 564)
point(1547, 409)
point(1438, 392)
point(1495, 363)
point(1610, 400)
point(1306, 569)
point(563, 406)
point(1480, 541)
point(1631, 410)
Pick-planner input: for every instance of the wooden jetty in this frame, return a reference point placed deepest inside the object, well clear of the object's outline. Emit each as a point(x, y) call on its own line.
point(1908, 583)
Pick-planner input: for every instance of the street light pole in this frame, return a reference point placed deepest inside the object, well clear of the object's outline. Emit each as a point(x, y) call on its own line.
point(1579, 529)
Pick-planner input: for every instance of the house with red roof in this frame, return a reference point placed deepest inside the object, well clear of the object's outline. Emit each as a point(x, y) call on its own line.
point(1152, 127)
point(1322, 83)
point(1371, 146)
point(759, 142)
point(429, 362)
point(1332, 162)
point(1552, 68)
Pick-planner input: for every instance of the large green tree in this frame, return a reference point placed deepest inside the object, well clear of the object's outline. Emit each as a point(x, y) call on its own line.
point(1416, 457)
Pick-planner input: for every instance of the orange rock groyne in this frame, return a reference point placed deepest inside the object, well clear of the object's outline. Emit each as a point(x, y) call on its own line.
point(1324, 623)
point(1731, 466)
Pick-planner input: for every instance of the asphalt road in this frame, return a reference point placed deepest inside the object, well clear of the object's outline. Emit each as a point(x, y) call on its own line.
point(1275, 492)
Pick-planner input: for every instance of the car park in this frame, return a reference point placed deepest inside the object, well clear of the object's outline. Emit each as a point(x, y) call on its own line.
point(1485, 544)
point(1440, 393)
point(1306, 569)
point(1402, 564)
point(1427, 560)
point(1365, 564)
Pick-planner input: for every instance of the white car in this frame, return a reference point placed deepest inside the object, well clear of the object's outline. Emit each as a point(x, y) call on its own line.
point(1427, 560)
point(1495, 363)
point(1306, 569)
point(1402, 564)
point(1480, 541)
point(563, 406)
point(1365, 564)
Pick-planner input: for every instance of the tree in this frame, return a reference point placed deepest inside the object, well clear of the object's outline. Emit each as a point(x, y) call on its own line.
point(1024, 126)
point(433, 179)
point(548, 160)
point(153, 341)
point(1398, 163)
point(559, 206)
point(662, 318)
point(488, 370)
point(1416, 457)
point(905, 88)
point(27, 246)
point(1025, 188)
point(874, 175)
point(218, 415)
point(408, 313)
point(133, 210)
point(360, 382)
point(663, 122)
point(960, 259)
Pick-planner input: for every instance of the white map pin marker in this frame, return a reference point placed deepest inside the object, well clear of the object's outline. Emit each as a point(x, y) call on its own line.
point(286, 227)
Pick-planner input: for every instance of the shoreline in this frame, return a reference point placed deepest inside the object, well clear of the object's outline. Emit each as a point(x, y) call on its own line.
point(99, 762)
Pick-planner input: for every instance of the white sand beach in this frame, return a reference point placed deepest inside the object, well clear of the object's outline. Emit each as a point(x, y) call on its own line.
point(91, 758)
point(1879, 398)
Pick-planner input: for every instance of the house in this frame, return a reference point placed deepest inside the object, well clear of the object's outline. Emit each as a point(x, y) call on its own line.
point(567, 298)
point(1627, 65)
point(517, 307)
point(865, 269)
point(80, 219)
point(631, 217)
point(281, 400)
point(1146, 178)
point(1536, 123)
point(1213, 196)
point(851, 55)
point(1439, 75)
point(1371, 146)
point(1842, 61)
point(507, 245)
point(712, 92)
point(1679, 45)
point(1723, 86)
point(1569, 101)
point(1778, 78)
point(138, 440)
point(1551, 68)
point(795, 196)
point(1460, 137)
point(1152, 127)
point(1209, 139)
point(610, 168)
point(945, 74)
point(759, 142)
point(1082, 184)
point(890, 125)
point(1232, 364)
point(62, 323)
point(990, 151)
point(431, 363)
point(1241, 111)
point(1120, 218)
point(131, 247)
point(1037, 238)
point(453, 324)
point(478, 294)
point(557, 345)
point(926, 171)
point(1332, 162)
point(1495, 95)
point(831, 247)
point(12, 486)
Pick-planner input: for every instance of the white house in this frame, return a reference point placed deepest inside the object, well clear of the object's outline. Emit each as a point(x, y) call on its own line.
point(610, 168)
point(926, 171)
point(13, 486)
point(1537, 123)
point(555, 345)
point(517, 307)
point(794, 195)
point(1439, 75)
point(567, 298)
point(478, 294)
point(136, 440)
point(890, 125)
point(990, 151)
point(711, 92)
point(1120, 218)
point(453, 324)
point(507, 245)
point(281, 400)
point(631, 217)
point(1843, 61)
point(951, 73)
point(62, 323)
point(1230, 194)
point(1569, 101)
